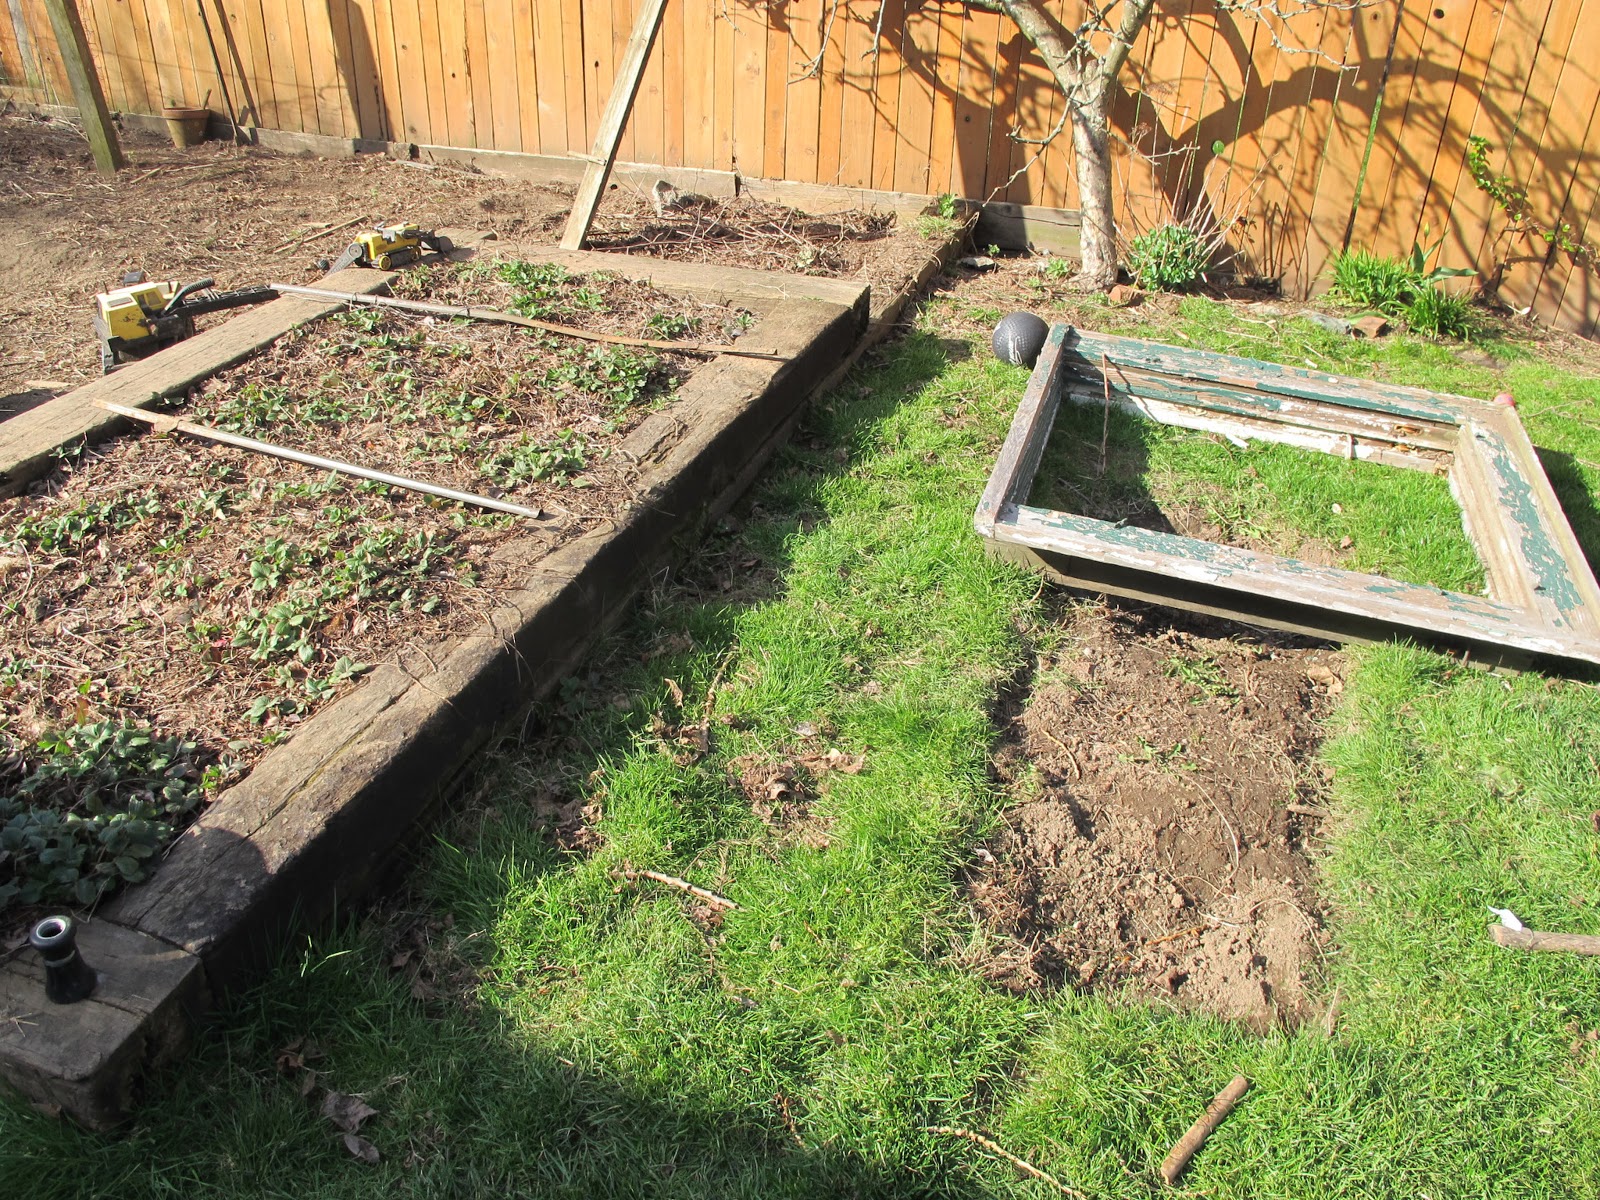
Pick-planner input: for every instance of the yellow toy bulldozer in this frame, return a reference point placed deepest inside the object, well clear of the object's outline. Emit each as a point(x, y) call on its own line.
point(389, 246)
point(142, 317)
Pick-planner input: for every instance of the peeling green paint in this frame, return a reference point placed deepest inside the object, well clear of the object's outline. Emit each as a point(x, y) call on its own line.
point(1229, 563)
point(1552, 578)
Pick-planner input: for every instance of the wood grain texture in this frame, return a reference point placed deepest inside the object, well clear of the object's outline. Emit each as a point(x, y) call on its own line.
point(927, 101)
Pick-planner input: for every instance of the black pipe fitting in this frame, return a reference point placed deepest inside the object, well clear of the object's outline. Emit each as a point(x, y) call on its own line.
point(67, 978)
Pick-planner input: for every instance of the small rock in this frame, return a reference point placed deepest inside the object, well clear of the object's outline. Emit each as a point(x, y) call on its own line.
point(1123, 296)
point(1346, 542)
point(1179, 900)
point(1369, 327)
point(1324, 321)
point(977, 262)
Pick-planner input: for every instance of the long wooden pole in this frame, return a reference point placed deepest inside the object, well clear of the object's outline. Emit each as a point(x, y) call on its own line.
point(86, 93)
point(170, 424)
point(615, 116)
point(467, 312)
point(1532, 939)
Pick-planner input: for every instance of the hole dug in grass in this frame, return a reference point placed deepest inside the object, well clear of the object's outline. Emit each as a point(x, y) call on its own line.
point(1150, 849)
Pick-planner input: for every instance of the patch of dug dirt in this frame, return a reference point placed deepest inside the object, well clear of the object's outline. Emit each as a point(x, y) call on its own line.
point(1156, 851)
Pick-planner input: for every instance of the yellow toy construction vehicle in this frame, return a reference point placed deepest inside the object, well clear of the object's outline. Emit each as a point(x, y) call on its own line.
point(142, 317)
point(389, 246)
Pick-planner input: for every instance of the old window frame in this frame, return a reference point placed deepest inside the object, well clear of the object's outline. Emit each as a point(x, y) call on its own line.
point(1542, 606)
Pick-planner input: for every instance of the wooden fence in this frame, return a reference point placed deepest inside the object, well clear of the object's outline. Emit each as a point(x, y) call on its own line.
point(1346, 125)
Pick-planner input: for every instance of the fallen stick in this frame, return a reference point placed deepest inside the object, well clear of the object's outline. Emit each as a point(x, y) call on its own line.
point(683, 885)
point(316, 233)
point(164, 423)
point(1021, 1164)
point(1307, 810)
point(1178, 1157)
point(499, 316)
point(1528, 939)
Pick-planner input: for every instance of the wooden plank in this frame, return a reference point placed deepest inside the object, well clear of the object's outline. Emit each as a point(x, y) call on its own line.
point(1329, 33)
point(919, 46)
point(1273, 379)
point(830, 99)
point(775, 77)
point(645, 131)
point(1029, 227)
point(164, 56)
point(387, 114)
point(974, 108)
point(700, 67)
point(803, 83)
point(1493, 66)
point(247, 29)
point(444, 33)
point(30, 440)
point(575, 75)
point(1408, 608)
point(605, 144)
point(86, 91)
point(724, 100)
point(857, 122)
point(340, 83)
point(599, 65)
point(673, 81)
point(1021, 452)
point(480, 67)
point(537, 96)
point(946, 77)
point(711, 282)
point(410, 71)
point(305, 70)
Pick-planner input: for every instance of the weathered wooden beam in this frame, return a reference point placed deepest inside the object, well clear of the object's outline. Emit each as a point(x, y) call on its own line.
point(614, 118)
point(86, 91)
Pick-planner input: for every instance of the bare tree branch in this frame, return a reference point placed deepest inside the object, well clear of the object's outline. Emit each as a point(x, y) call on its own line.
point(813, 67)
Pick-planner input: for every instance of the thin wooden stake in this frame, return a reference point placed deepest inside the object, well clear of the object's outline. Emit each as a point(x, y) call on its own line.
point(86, 91)
point(683, 885)
point(1178, 1158)
point(1105, 416)
point(500, 317)
point(618, 105)
point(999, 1151)
point(170, 424)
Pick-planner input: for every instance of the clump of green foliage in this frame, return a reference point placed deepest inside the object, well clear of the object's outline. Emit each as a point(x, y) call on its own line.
point(1513, 200)
point(1408, 289)
point(1168, 258)
point(546, 291)
point(90, 806)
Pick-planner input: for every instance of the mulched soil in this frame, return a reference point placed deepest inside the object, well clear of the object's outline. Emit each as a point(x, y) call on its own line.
point(222, 596)
point(1152, 851)
point(243, 215)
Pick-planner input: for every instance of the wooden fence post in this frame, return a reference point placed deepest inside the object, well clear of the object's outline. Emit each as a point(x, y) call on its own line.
point(86, 91)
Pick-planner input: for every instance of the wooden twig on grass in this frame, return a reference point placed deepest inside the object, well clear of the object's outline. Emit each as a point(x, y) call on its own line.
point(296, 242)
point(1021, 1164)
point(1178, 1157)
point(683, 885)
point(1528, 939)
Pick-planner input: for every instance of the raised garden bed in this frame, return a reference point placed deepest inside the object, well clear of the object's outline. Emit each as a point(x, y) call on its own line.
point(316, 817)
point(179, 608)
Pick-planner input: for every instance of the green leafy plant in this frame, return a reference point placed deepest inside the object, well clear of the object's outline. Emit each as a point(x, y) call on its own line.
point(666, 326)
point(546, 290)
point(1057, 268)
point(948, 206)
point(1168, 258)
point(1409, 289)
point(529, 461)
point(1514, 202)
point(89, 806)
point(616, 373)
point(1438, 313)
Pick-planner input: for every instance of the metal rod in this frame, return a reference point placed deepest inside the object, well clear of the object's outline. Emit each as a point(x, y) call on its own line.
point(505, 318)
point(169, 424)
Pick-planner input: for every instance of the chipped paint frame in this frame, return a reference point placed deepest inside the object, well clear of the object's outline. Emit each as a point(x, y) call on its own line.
point(1542, 606)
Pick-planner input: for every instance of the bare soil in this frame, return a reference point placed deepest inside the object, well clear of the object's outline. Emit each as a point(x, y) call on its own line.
point(1151, 850)
point(243, 215)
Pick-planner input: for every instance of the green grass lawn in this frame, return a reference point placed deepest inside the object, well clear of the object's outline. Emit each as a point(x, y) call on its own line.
point(579, 1035)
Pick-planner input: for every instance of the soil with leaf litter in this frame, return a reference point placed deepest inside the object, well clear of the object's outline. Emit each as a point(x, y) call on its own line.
point(1152, 849)
point(174, 607)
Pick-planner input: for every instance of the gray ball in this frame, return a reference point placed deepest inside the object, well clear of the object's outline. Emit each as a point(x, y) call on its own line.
point(1019, 337)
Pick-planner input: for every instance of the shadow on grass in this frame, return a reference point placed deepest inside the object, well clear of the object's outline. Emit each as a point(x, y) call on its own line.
point(469, 1101)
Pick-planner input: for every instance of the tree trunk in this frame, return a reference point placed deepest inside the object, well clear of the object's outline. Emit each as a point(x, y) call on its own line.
point(1091, 143)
